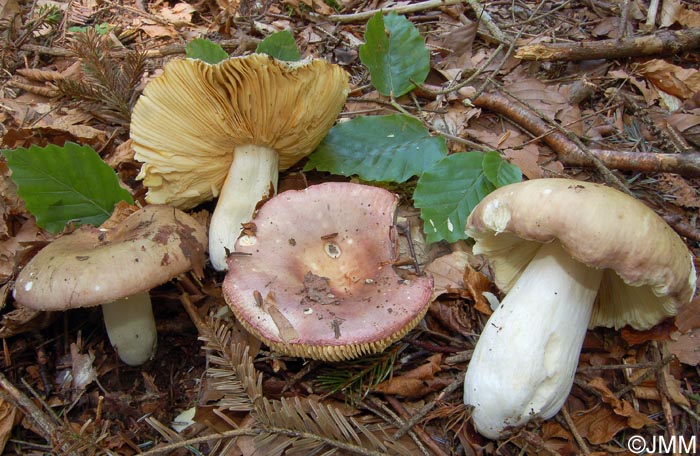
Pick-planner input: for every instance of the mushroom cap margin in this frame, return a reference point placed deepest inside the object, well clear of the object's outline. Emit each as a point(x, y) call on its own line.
point(600, 227)
point(288, 258)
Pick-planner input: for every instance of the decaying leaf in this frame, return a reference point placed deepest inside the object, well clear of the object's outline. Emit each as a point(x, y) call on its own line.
point(622, 408)
point(8, 414)
point(416, 382)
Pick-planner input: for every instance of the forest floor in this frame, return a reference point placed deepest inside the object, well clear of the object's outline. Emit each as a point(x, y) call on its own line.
point(628, 94)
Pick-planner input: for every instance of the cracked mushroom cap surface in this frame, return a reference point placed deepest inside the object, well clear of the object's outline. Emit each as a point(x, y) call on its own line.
point(648, 270)
point(188, 121)
point(92, 266)
point(316, 279)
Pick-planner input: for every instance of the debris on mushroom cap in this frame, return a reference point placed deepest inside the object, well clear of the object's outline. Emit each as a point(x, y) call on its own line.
point(649, 272)
point(316, 278)
point(92, 266)
point(190, 119)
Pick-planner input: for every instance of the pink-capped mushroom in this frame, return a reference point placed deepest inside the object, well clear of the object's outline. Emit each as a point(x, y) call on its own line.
point(316, 279)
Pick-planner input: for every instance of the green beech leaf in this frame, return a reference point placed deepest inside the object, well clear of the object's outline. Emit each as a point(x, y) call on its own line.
point(65, 184)
point(447, 193)
point(205, 50)
point(280, 45)
point(389, 148)
point(395, 54)
point(500, 172)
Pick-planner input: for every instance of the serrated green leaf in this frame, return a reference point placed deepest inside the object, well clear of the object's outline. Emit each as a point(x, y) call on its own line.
point(205, 50)
point(65, 184)
point(389, 148)
point(280, 45)
point(447, 193)
point(395, 54)
point(500, 172)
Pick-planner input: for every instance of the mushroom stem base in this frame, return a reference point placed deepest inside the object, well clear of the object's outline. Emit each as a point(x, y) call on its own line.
point(252, 177)
point(524, 363)
point(131, 327)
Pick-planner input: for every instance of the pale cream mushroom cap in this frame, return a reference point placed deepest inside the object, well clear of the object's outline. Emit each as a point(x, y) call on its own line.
point(190, 119)
point(320, 263)
point(90, 266)
point(648, 270)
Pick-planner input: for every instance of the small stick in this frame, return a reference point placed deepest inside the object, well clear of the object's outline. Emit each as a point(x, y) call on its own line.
point(665, 42)
point(657, 366)
point(483, 16)
point(651, 14)
point(418, 415)
point(402, 9)
point(570, 153)
point(574, 431)
point(424, 437)
point(14, 396)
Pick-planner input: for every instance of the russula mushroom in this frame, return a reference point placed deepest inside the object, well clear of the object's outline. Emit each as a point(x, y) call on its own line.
point(226, 130)
point(316, 279)
point(570, 255)
point(115, 268)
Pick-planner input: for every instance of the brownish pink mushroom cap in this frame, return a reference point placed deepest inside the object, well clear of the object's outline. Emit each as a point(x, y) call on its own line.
point(115, 268)
point(316, 279)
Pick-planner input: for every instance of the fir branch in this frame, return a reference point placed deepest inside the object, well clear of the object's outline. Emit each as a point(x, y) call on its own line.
point(280, 426)
point(109, 84)
point(356, 378)
point(234, 374)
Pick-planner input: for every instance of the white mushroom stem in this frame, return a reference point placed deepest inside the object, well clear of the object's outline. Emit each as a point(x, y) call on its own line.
point(131, 328)
point(524, 362)
point(251, 178)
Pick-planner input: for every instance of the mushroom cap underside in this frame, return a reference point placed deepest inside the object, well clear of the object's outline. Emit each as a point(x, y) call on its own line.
point(316, 278)
point(91, 266)
point(190, 119)
point(649, 271)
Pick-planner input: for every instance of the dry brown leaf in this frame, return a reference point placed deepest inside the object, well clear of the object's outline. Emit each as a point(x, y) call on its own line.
point(8, 414)
point(526, 159)
point(458, 44)
point(414, 383)
point(670, 11)
point(668, 77)
point(686, 347)
point(448, 273)
point(689, 18)
point(477, 283)
point(82, 370)
point(660, 332)
point(635, 419)
point(680, 192)
point(599, 424)
point(685, 344)
point(687, 124)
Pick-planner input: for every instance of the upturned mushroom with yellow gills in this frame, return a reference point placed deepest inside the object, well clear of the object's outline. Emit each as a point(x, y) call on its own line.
point(225, 130)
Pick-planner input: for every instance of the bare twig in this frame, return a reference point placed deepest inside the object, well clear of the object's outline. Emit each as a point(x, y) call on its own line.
point(574, 431)
point(402, 9)
point(570, 153)
point(420, 413)
point(665, 42)
point(653, 370)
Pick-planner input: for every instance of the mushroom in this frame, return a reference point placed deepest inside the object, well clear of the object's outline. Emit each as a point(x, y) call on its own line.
point(116, 268)
point(316, 279)
point(227, 129)
point(570, 255)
